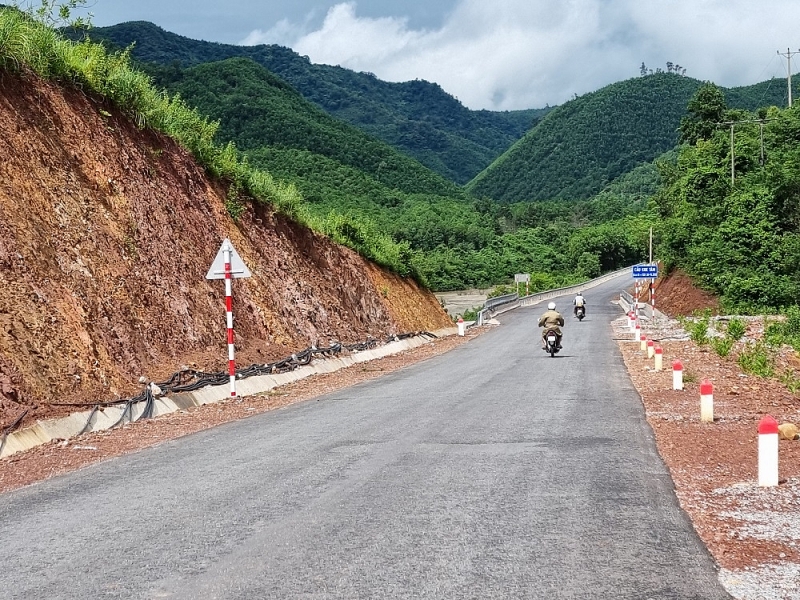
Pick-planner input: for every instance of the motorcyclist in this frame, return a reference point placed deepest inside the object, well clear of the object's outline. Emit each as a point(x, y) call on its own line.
point(579, 300)
point(551, 321)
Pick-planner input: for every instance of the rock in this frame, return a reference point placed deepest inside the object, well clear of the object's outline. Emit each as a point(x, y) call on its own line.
point(155, 390)
point(787, 431)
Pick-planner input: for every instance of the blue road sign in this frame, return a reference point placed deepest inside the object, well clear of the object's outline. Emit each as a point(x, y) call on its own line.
point(645, 271)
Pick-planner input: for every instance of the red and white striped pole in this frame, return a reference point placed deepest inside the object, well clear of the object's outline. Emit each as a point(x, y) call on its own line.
point(706, 401)
point(226, 251)
point(653, 296)
point(768, 452)
point(228, 265)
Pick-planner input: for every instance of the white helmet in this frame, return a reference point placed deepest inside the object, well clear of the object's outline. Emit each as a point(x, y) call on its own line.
point(552, 306)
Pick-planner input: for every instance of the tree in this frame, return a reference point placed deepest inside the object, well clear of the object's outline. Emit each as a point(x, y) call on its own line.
point(643, 69)
point(55, 13)
point(706, 110)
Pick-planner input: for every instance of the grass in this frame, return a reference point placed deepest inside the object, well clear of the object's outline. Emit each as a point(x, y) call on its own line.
point(756, 360)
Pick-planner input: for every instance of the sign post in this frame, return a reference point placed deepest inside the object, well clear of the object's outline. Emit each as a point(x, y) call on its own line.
point(650, 272)
point(227, 265)
point(523, 278)
point(645, 271)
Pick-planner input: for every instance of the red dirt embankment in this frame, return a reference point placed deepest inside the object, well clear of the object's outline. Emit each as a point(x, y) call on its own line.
point(106, 235)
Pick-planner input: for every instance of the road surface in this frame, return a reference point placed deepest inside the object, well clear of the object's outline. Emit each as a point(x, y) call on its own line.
point(492, 471)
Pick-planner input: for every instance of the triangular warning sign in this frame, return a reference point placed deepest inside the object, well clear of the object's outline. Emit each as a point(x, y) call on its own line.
point(238, 268)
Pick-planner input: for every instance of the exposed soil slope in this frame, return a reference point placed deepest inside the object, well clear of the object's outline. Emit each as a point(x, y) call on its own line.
point(106, 234)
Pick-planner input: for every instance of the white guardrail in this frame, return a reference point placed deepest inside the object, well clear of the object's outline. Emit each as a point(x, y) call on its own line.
point(501, 304)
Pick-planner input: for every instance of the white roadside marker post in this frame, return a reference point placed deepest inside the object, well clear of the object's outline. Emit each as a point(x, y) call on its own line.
point(706, 401)
point(651, 349)
point(227, 265)
point(461, 326)
point(659, 358)
point(768, 452)
point(677, 375)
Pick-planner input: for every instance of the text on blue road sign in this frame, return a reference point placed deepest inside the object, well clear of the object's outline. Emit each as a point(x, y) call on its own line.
point(645, 271)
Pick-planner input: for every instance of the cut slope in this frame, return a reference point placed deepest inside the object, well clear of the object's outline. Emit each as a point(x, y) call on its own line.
point(106, 234)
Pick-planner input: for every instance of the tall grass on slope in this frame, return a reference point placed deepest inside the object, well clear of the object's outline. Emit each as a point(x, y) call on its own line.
point(26, 44)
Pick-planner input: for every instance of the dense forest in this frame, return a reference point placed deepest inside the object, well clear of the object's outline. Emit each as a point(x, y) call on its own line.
point(581, 146)
point(416, 117)
point(456, 241)
point(730, 212)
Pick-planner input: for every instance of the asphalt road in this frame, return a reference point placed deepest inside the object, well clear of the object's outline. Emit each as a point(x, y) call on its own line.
point(493, 471)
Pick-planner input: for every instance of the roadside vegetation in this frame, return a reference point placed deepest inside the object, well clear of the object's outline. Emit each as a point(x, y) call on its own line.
point(729, 216)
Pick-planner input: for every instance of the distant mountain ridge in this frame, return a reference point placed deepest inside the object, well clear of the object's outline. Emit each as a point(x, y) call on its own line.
point(417, 117)
point(583, 145)
point(257, 109)
point(571, 152)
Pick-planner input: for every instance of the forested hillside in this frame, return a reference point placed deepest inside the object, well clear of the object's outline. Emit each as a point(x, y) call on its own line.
point(737, 234)
point(342, 173)
point(256, 109)
point(416, 117)
point(584, 144)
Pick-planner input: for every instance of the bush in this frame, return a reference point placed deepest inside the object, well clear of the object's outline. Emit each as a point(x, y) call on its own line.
point(736, 329)
point(722, 346)
point(698, 331)
point(756, 360)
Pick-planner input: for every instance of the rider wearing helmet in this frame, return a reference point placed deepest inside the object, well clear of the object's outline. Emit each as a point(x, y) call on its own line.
point(551, 321)
point(579, 301)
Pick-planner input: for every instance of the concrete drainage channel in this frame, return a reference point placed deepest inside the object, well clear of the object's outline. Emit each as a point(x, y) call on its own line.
point(76, 423)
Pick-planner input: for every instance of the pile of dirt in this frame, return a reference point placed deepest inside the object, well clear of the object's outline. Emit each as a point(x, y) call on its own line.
point(676, 294)
point(106, 234)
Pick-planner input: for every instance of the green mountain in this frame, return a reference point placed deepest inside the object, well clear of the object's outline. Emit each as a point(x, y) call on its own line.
point(342, 173)
point(257, 109)
point(584, 144)
point(416, 117)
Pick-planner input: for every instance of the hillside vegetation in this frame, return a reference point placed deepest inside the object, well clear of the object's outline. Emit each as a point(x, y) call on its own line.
point(416, 117)
point(455, 242)
point(739, 237)
point(584, 144)
point(256, 109)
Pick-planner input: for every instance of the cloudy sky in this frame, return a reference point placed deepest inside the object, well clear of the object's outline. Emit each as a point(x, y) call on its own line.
point(499, 54)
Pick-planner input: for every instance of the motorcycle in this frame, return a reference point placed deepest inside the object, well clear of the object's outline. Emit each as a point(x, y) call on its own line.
point(551, 342)
point(580, 312)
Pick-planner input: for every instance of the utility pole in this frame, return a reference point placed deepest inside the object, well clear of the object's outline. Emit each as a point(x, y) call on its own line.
point(732, 124)
point(788, 55)
point(733, 176)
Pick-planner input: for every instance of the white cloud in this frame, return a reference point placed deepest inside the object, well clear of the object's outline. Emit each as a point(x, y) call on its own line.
point(510, 54)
